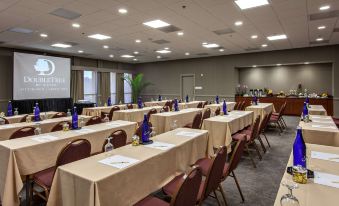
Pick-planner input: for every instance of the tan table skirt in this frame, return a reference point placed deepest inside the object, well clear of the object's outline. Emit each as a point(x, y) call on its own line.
point(133, 115)
point(317, 110)
point(312, 194)
point(156, 103)
point(88, 182)
point(192, 104)
point(96, 111)
point(261, 109)
point(221, 128)
point(46, 125)
point(26, 156)
point(17, 118)
point(213, 107)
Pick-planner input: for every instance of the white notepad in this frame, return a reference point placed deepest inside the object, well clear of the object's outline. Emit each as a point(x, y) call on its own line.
point(115, 124)
point(84, 130)
point(6, 126)
point(119, 161)
point(325, 156)
point(326, 179)
point(188, 134)
point(160, 145)
point(45, 138)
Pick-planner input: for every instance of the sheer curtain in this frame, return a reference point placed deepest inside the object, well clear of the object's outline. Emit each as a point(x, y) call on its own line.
point(120, 88)
point(104, 87)
point(77, 85)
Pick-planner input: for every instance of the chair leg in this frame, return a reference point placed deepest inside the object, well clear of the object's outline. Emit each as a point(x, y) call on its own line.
point(257, 149)
point(250, 155)
point(238, 186)
point(261, 143)
point(216, 197)
point(284, 122)
point(269, 145)
point(223, 194)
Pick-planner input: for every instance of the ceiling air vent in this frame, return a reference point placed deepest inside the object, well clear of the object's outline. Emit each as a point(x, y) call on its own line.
point(336, 30)
point(161, 41)
point(224, 31)
point(20, 30)
point(169, 29)
point(66, 14)
point(325, 15)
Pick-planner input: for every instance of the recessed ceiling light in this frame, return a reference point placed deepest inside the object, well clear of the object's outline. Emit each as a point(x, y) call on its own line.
point(105, 47)
point(156, 24)
point(158, 57)
point(166, 48)
point(319, 39)
point(180, 33)
point(164, 51)
point(254, 66)
point(204, 43)
point(127, 56)
point(212, 45)
point(99, 36)
point(246, 4)
point(43, 35)
point(61, 45)
point(80, 51)
point(321, 27)
point(135, 59)
point(187, 53)
point(278, 64)
point(221, 50)
point(136, 52)
point(325, 7)
point(122, 11)
point(277, 37)
point(254, 36)
point(238, 23)
point(306, 63)
point(137, 41)
point(264, 45)
point(111, 55)
point(76, 25)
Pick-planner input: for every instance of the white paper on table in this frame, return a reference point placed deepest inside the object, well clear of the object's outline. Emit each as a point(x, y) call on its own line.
point(325, 156)
point(160, 145)
point(324, 126)
point(322, 121)
point(45, 138)
point(6, 126)
point(84, 130)
point(320, 117)
point(115, 124)
point(188, 134)
point(119, 161)
point(326, 179)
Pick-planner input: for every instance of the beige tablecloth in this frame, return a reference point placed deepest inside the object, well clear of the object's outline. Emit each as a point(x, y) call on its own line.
point(26, 156)
point(96, 111)
point(322, 130)
point(221, 128)
point(213, 107)
point(192, 104)
point(88, 182)
point(17, 118)
point(163, 122)
point(261, 109)
point(156, 103)
point(46, 125)
point(133, 115)
point(317, 110)
point(312, 194)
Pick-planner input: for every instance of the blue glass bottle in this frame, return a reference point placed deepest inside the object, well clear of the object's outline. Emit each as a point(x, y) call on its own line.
point(109, 101)
point(37, 112)
point(139, 103)
point(176, 107)
point(160, 98)
point(224, 108)
point(9, 109)
point(299, 149)
point(187, 100)
point(255, 100)
point(145, 130)
point(217, 99)
point(75, 118)
point(307, 100)
point(305, 110)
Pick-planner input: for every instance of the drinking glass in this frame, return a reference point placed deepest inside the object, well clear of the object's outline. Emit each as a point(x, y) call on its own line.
point(16, 112)
point(289, 199)
point(153, 133)
point(174, 125)
point(37, 130)
point(82, 122)
point(106, 119)
point(69, 113)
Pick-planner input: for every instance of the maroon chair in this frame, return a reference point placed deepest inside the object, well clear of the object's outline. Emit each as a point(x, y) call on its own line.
point(199, 105)
point(94, 120)
point(129, 106)
point(138, 132)
point(119, 139)
point(60, 126)
point(73, 151)
point(59, 114)
point(211, 182)
point(5, 120)
point(149, 113)
point(242, 106)
point(169, 104)
point(264, 127)
point(336, 121)
point(24, 118)
point(236, 106)
point(23, 132)
point(165, 109)
point(110, 113)
point(185, 195)
point(196, 124)
point(205, 103)
point(278, 120)
point(217, 112)
point(206, 115)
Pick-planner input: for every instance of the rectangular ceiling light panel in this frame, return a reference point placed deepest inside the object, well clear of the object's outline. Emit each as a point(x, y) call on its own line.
point(156, 24)
point(247, 4)
point(277, 37)
point(61, 45)
point(99, 36)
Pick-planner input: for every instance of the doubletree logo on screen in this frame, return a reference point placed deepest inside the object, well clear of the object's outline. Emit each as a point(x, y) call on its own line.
point(45, 68)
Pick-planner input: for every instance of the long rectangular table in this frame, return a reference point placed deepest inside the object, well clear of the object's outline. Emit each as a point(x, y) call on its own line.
point(317, 110)
point(133, 115)
point(192, 104)
point(96, 111)
point(312, 194)
point(17, 118)
point(156, 103)
point(213, 107)
point(25, 156)
point(261, 109)
point(88, 182)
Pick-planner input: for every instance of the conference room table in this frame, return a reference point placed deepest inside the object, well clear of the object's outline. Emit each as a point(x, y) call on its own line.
point(163, 122)
point(220, 128)
point(321, 130)
point(192, 104)
point(96, 111)
point(46, 125)
point(317, 110)
point(127, 174)
point(324, 188)
point(28, 155)
point(134, 115)
point(261, 109)
point(213, 107)
point(17, 118)
point(156, 103)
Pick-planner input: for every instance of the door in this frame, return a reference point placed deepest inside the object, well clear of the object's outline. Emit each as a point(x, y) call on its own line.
point(187, 86)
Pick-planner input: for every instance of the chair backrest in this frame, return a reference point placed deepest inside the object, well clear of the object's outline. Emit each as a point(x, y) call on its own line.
point(6, 120)
point(138, 132)
point(59, 114)
point(199, 105)
point(238, 150)
point(75, 150)
point(24, 118)
point(168, 104)
point(60, 126)
point(237, 105)
point(197, 121)
point(217, 111)
point(255, 128)
point(129, 106)
point(263, 123)
point(119, 139)
point(242, 106)
point(188, 189)
point(110, 114)
point(283, 109)
point(215, 172)
point(150, 112)
point(94, 120)
point(165, 109)
point(207, 114)
point(205, 103)
point(23, 132)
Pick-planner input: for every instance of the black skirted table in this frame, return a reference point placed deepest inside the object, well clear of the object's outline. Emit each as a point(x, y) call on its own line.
point(58, 105)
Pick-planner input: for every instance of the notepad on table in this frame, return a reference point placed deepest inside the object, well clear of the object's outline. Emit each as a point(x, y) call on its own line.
point(326, 179)
point(45, 138)
point(119, 161)
point(188, 134)
point(325, 156)
point(160, 145)
point(84, 130)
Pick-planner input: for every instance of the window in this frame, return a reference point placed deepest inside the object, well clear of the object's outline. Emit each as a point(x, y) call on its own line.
point(127, 89)
point(113, 87)
point(90, 86)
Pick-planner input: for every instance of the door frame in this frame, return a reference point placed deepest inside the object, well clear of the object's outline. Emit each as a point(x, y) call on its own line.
point(181, 84)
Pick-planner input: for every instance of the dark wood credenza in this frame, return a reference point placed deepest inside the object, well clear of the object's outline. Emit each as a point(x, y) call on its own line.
point(294, 105)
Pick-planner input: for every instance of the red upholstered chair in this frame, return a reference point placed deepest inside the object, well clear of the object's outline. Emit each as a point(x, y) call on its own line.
point(24, 118)
point(94, 120)
point(73, 151)
point(119, 139)
point(165, 109)
point(6, 120)
point(263, 127)
point(200, 105)
point(206, 115)
point(236, 106)
point(129, 106)
point(210, 184)
point(242, 106)
point(23, 132)
point(196, 124)
point(250, 138)
point(185, 195)
point(277, 120)
point(204, 104)
point(169, 104)
point(217, 112)
point(59, 114)
point(60, 126)
point(110, 113)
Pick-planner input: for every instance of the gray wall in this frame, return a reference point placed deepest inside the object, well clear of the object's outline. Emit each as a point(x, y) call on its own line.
point(220, 75)
point(315, 77)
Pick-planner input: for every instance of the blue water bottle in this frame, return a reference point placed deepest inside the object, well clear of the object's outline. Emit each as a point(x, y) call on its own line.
point(187, 100)
point(224, 108)
point(299, 149)
point(139, 103)
point(255, 100)
point(37, 112)
point(75, 118)
point(160, 98)
point(109, 101)
point(176, 107)
point(305, 110)
point(145, 130)
point(307, 101)
point(217, 99)
point(9, 109)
